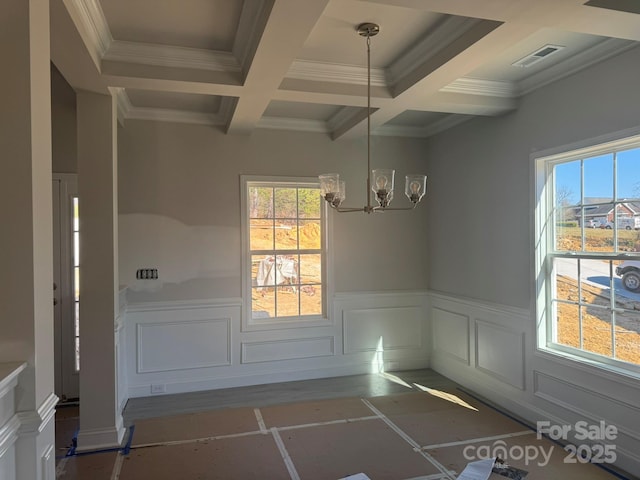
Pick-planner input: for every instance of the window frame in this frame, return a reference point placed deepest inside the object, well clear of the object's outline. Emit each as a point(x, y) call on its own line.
point(545, 252)
point(248, 322)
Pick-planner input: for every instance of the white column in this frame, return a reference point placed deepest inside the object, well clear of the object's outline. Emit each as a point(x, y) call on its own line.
point(26, 245)
point(100, 418)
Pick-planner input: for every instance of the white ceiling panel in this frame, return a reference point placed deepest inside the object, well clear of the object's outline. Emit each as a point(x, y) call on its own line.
point(240, 65)
point(174, 101)
point(205, 24)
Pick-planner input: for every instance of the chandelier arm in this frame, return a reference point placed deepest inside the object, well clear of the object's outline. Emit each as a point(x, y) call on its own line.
point(350, 209)
point(383, 209)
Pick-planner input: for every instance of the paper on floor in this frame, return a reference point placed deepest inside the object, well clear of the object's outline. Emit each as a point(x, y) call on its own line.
point(357, 476)
point(479, 470)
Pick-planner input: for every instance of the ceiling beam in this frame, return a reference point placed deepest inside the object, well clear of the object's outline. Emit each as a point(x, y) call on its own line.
point(70, 54)
point(280, 44)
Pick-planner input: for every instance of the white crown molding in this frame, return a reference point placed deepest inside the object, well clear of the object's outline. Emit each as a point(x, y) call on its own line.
point(442, 36)
point(449, 121)
point(171, 56)
point(298, 124)
point(333, 72)
point(89, 18)
point(178, 116)
point(591, 56)
point(476, 86)
point(319, 126)
point(127, 111)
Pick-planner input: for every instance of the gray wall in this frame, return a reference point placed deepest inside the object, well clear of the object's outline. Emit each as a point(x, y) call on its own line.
point(179, 197)
point(481, 172)
point(64, 148)
point(481, 250)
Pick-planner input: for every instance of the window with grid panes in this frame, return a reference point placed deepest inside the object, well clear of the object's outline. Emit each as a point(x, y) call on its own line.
point(284, 232)
point(587, 253)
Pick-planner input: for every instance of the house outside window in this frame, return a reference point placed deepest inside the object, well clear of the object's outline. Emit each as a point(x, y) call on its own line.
point(284, 253)
point(587, 237)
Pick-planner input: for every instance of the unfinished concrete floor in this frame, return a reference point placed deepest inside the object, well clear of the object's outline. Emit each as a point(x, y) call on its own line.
point(406, 425)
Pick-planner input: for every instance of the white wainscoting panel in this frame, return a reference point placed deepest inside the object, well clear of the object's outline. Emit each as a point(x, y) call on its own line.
point(586, 402)
point(9, 420)
point(506, 369)
point(186, 344)
point(450, 334)
point(393, 328)
point(268, 351)
point(48, 461)
point(500, 353)
point(8, 463)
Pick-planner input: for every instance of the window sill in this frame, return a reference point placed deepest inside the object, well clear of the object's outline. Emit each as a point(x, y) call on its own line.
point(607, 371)
point(256, 325)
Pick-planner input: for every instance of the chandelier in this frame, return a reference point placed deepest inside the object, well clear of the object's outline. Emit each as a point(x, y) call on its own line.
point(381, 180)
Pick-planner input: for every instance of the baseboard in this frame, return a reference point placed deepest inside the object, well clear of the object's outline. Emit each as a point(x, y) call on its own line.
point(240, 380)
point(101, 438)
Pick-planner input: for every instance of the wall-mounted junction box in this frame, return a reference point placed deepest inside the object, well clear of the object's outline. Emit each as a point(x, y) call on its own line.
point(147, 274)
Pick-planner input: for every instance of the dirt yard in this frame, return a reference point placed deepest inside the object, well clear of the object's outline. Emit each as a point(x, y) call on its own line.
point(596, 323)
point(302, 296)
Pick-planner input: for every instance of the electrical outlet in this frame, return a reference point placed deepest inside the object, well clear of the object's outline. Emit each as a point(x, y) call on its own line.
point(158, 388)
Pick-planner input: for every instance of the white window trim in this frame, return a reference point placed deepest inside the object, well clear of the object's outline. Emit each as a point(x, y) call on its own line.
point(248, 323)
point(543, 162)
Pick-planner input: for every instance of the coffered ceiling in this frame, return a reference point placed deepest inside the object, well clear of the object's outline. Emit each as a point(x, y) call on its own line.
point(240, 65)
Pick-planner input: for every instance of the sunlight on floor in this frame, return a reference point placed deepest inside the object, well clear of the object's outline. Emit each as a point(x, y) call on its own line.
point(395, 379)
point(445, 396)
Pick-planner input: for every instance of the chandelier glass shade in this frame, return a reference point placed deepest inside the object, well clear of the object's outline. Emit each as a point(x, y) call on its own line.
point(381, 180)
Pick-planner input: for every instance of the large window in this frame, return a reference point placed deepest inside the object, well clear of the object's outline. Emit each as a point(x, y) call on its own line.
point(588, 254)
point(284, 251)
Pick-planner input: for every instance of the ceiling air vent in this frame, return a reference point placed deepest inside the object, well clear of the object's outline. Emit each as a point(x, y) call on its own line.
point(540, 54)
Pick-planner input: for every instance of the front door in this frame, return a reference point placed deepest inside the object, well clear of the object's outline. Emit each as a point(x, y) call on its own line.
point(66, 296)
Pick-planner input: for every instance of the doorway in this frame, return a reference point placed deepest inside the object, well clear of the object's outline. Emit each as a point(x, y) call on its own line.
point(66, 293)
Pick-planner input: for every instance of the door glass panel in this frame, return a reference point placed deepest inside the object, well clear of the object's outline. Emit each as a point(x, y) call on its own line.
point(76, 281)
